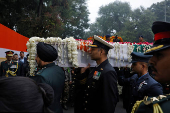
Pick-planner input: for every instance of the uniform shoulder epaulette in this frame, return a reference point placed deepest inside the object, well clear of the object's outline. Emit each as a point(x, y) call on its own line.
point(40, 71)
point(158, 104)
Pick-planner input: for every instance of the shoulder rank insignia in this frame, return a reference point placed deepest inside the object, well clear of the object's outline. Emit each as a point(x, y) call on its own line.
point(38, 72)
point(148, 101)
point(152, 103)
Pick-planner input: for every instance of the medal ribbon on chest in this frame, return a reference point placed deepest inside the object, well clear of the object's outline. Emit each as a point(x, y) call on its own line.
point(141, 84)
point(96, 75)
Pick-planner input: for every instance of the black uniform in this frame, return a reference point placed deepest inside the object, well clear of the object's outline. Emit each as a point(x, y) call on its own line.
point(9, 68)
point(96, 90)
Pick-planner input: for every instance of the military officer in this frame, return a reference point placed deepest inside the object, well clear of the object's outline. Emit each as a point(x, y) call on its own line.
point(9, 68)
point(96, 89)
point(160, 68)
point(50, 73)
point(142, 83)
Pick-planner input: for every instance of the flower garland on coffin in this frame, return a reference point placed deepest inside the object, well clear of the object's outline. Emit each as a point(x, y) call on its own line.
point(120, 55)
point(66, 48)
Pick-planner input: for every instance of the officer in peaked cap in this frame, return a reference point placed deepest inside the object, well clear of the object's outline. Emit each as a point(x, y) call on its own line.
point(9, 53)
point(96, 89)
point(160, 65)
point(160, 60)
point(50, 73)
point(142, 84)
point(8, 67)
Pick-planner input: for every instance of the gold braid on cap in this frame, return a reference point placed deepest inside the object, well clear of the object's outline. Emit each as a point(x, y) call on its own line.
point(154, 48)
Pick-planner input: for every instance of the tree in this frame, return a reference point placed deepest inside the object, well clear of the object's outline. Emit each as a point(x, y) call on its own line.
point(159, 10)
point(94, 29)
point(45, 18)
point(118, 18)
point(142, 20)
point(113, 16)
point(76, 24)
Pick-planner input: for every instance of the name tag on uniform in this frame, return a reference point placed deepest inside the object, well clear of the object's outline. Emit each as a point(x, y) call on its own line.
point(13, 66)
point(96, 75)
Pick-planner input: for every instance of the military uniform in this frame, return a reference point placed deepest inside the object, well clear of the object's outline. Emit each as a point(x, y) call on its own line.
point(100, 93)
point(54, 76)
point(146, 86)
point(158, 104)
point(141, 86)
point(96, 88)
point(9, 68)
point(51, 74)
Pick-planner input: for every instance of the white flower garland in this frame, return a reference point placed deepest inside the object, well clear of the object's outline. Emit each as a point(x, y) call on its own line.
point(31, 48)
point(57, 42)
point(130, 50)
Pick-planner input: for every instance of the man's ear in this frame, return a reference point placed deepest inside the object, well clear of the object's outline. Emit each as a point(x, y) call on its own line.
point(144, 65)
point(102, 51)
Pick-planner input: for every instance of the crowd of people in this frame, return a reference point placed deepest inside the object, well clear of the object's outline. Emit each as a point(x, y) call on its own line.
point(93, 89)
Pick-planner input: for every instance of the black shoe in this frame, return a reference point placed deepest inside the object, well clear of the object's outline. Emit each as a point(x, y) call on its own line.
point(65, 107)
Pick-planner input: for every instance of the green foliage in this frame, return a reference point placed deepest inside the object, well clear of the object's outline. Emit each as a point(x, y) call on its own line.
point(77, 22)
point(113, 16)
point(45, 18)
point(64, 18)
point(118, 18)
point(159, 10)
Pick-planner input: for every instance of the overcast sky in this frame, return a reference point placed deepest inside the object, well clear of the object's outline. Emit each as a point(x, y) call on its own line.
point(93, 5)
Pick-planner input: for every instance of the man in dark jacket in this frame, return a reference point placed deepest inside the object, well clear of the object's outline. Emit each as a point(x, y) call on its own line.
point(96, 90)
point(142, 84)
point(50, 73)
point(25, 69)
